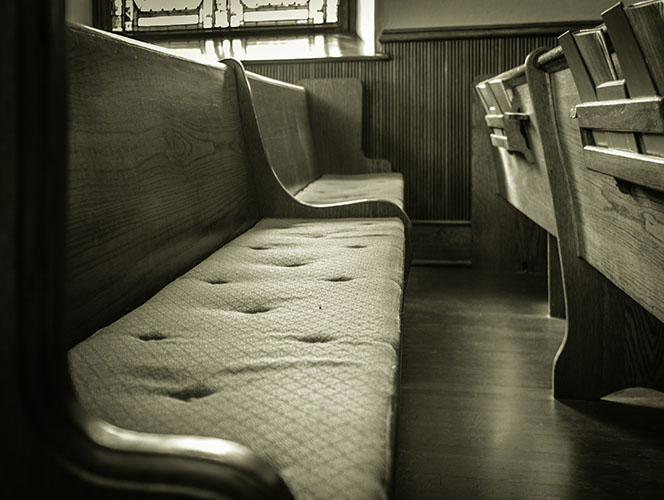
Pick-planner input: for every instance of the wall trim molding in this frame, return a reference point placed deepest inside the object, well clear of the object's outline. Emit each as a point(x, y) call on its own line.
point(489, 31)
point(442, 242)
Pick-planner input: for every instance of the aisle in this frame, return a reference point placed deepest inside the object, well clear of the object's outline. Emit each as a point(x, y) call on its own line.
point(477, 419)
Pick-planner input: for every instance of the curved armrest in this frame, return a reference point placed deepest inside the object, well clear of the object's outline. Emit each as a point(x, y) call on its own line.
point(276, 201)
point(193, 465)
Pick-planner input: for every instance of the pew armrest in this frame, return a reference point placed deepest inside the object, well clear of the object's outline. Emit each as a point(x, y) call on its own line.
point(192, 465)
point(276, 201)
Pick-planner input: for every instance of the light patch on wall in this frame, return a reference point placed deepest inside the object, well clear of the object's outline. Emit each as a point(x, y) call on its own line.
point(366, 25)
point(79, 11)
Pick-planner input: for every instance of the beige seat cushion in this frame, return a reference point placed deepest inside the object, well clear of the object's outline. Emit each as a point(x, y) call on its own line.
point(285, 340)
point(336, 188)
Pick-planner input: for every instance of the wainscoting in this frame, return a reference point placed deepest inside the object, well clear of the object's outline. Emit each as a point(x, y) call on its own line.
point(417, 109)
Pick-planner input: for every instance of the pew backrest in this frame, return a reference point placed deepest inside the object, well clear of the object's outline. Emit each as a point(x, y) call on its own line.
point(615, 162)
point(312, 128)
point(283, 119)
point(521, 166)
point(158, 177)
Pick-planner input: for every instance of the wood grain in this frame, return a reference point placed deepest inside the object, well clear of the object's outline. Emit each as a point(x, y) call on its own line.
point(503, 239)
point(335, 111)
point(51, 452)
point(621, 235)
point(633, 65)
point(283, 118)
point(644, 114)
point(158, 177)
point(611, 342)
point(417, 110)
point(275, 200)
point(644, 170)
point(525, 179)
point(477, 420)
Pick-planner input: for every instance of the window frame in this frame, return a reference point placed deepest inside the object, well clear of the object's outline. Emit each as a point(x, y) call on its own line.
point(345, 25)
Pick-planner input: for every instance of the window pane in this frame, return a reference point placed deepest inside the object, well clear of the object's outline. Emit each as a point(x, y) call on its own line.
point(151, 15)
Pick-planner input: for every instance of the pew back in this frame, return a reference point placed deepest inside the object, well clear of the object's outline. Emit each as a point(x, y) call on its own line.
point(521, 170)
point(283, 119)
point(619, 218)
point(158, 177)
point(312, 129)
point(610, 249)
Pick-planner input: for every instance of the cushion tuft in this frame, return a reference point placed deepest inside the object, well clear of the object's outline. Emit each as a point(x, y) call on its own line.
point(309, 386)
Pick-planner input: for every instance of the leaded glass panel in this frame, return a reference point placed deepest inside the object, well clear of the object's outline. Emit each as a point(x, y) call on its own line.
point(169, 15)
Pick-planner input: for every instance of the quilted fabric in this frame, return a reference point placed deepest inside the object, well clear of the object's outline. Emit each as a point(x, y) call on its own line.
point(285, 340)
point(335, 188)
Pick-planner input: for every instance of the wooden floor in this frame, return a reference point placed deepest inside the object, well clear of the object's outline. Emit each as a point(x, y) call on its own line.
point(477, 419)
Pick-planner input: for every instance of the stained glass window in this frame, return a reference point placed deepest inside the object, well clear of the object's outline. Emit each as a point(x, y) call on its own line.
point(130, 16)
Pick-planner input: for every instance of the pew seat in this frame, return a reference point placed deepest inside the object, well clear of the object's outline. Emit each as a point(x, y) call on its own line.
point(285, 340)
point(331, 188)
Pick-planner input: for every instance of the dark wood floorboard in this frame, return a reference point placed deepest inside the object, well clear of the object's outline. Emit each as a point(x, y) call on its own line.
point(477, 419)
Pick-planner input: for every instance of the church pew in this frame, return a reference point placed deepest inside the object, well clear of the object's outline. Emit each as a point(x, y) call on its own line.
point(520, 164)
point(166, 166)
point(610, 220)
point(312, 133)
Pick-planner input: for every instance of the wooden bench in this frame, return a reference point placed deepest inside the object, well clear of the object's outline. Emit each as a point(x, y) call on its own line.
point(520, 164)
point(312, 134)
point(604, 169)
point(247, 344)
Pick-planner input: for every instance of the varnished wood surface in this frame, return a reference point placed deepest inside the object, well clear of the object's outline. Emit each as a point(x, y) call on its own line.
point(525, 179)
point(158, 177)
point(335, 111)
point(503, 239)
point(611, 342)
point(417, 111)
point(477, 418)
point(311, 129)
point(629, 115)
point(644, 170)
point(275, 200)
point(283, 119)
point(621, 234)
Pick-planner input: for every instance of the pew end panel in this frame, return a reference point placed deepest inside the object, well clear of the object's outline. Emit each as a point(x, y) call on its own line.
point(312, 139)
point(610, 256)
point(275, 199)
point(335, 113)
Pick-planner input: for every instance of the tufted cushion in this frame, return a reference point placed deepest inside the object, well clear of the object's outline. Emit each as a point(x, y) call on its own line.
point(284, 340)
point(335, 188)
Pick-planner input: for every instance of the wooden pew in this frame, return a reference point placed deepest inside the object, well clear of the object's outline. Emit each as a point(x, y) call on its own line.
point(166, 165)
point(265, 150)
point(520, 163)
point(312, 135)
point(610, 218)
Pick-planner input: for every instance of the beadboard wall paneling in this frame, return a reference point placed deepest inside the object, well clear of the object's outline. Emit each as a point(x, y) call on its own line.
point(417, 110)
